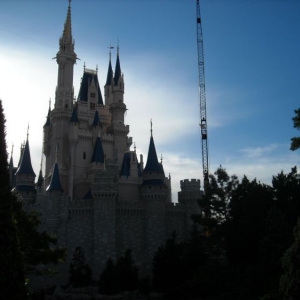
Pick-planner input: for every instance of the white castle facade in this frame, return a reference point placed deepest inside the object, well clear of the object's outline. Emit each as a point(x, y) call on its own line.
point(96, 193)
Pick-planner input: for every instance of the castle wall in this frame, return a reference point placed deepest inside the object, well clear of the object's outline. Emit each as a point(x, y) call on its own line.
point(176, 221)
point(130, 230)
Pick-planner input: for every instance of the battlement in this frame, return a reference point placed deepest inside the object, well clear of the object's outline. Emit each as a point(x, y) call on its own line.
point(189, 185)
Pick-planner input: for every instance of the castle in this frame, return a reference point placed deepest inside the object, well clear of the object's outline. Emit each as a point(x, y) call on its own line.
point(97, 193)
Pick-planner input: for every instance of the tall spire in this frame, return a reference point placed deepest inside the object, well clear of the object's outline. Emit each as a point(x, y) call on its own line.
point(117, 68)
point(110, 70)
point(67, 33)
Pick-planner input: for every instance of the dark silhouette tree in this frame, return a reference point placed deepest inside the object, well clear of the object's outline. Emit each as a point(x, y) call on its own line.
point(169, 268)
point(290, 280)
point(119, 277)
point(12, 281)
point(37, 247)
point(295, 144)
point(108, 284)
point(80, 272)
point(127, 272)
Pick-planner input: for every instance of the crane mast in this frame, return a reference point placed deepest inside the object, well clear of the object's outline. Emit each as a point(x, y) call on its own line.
point(202, 96)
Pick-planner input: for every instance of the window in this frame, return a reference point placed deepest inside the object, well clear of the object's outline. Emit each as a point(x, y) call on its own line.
point(92, 106)
point(93, 95)
point(84, 155)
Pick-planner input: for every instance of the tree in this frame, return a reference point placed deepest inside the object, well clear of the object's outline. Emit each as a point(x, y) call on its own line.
point(295, 144)
point(290, 280)
point(119, 277)
point(12, 280)
point(108, 279)
point(169, 269)
point(127, 272)
point(80, 272)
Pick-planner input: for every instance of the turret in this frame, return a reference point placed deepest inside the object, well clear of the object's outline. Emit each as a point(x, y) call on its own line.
point(109, 83)
point(117, 107)
point(25, 175)
point(47, 129)
point(66, 58)
point(55, 185)
point(153, 175)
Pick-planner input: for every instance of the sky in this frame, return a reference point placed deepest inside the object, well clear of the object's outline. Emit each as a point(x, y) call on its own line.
point(251, 52)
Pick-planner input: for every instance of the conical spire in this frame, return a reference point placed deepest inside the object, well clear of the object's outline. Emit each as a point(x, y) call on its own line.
point(48, 118)
point(96, 121)
point(117, 69)
point(40, 180)
point(55, 184)
point(25, 165)
point(67, 33)
point(109, 72)
point(152, 164)
point(74, 117)
point(98, 154)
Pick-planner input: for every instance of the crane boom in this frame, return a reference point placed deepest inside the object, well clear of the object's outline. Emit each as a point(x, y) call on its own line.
point(202, 96)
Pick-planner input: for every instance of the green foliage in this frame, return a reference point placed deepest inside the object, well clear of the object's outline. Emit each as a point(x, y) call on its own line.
point(119, 277)
point(12, 281)
point(290, 280)
point(80, 272)
point(295, 144)
point(37, 247)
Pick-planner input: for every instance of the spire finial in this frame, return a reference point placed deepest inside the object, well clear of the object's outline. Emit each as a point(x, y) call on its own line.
point(161, 158)
point(50, 103)
point(134, 147)
point(84, 67)
point(70, 3)
point(110, 47)
point(12, 150)
point(151, 127)
point(27, 131)
point(67, 33)
point(118, 47)
point(97, 69)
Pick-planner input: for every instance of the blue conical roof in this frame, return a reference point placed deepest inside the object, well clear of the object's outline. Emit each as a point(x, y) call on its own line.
point(74, 117)
point(25, 167)
point(84, 86)
point(40, 180)
point(109, 74)
point(55, 184)
point(152, 164)
point(125, 169)
point(96, 121)
point(98, 154)
point(117, 70)
point(48, 119)
point(88, 195)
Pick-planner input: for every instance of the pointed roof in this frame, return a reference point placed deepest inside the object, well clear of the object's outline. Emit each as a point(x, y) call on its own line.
point(109, 73)
point(74, 117)
point(84, 86)
point(96, 121)
point(48, 118)
point(40, 179)
point(152, 164)
point(88, 195)
point(67, 33)
point(11, 163)
point(55, 184)
point(98, 154)
point(25, 164)
point(125, 169)
point(117, 69)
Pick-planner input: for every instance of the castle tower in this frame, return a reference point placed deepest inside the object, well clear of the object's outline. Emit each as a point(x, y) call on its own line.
point(25, 176)
point(109, 83)
point(117, 109)
point(57, 132)
point(154, 196)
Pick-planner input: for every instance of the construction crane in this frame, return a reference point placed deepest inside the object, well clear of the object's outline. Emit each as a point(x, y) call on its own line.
point(202, 96)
